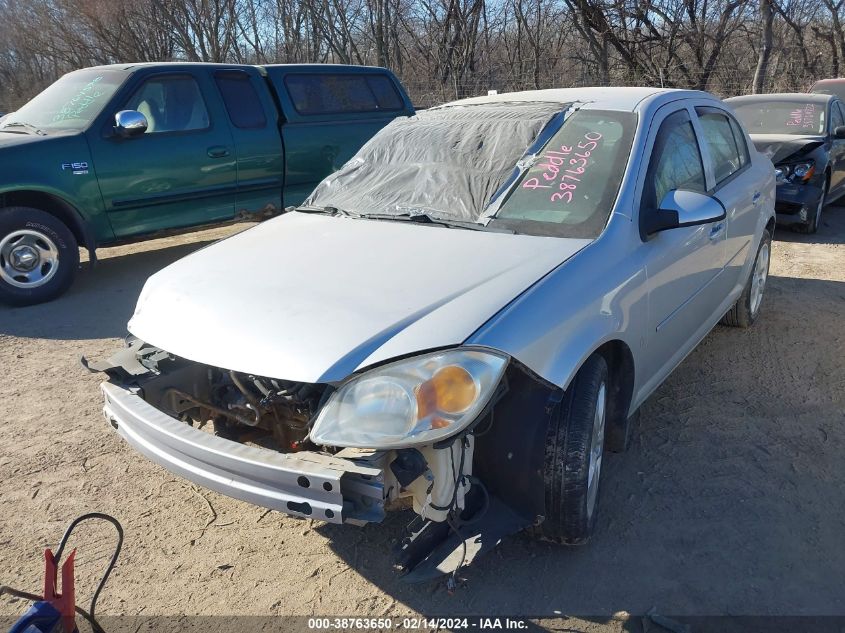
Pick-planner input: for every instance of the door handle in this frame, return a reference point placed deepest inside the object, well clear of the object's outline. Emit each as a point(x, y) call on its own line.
point(218, 151)
point(716, 231)
point(756, 198)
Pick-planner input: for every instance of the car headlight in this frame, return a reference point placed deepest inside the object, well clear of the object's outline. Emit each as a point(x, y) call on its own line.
point(795, 172)
point(410, 402)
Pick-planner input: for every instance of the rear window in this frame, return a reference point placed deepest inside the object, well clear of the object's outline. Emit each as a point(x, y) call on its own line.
point(241, 99)
point(781, 117)
point(341, 93)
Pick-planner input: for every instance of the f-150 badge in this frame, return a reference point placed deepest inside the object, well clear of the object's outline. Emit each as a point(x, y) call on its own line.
point(78, 169)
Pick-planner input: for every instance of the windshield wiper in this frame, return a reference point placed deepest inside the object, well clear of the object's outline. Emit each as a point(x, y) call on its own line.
point(27, 126)
point(424, 218)
point(328, 210)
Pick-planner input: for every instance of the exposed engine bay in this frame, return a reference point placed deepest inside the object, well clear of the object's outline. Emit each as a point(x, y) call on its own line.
point(469, 479)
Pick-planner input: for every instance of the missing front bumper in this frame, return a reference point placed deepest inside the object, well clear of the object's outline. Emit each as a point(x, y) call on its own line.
point(304, 484)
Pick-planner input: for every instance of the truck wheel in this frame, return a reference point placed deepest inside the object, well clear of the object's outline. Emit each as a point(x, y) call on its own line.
point(747, 307)
point(38, 256)
point(574, 448)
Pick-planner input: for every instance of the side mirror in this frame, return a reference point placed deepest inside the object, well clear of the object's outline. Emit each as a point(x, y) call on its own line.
point(681, 208)
point(839, 131)
point(129, 123)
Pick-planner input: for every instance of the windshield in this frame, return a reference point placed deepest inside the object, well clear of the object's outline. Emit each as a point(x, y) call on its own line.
point(781, 117)
point(71, 103)
point(446, 163)
point(571, 183)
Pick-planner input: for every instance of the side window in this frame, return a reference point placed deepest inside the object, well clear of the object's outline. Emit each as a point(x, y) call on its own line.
point(171, 104)
point(675, 161)
point(741, 142)
point(337, 94)
point(835, 116)
point(720, 140)
point(242, 102)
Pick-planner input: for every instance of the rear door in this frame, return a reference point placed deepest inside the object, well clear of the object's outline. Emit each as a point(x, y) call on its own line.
point(181, 171)
point(254, 122)
point(329, 114)
point(683, 264)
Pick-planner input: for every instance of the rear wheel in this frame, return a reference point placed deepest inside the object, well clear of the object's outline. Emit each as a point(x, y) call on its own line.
point(574, 450)
point(747, 308)
point(38, 256)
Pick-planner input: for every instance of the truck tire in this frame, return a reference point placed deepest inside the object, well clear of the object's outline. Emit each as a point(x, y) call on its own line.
point(574, 448)
point(746, 309)
point(38, 256)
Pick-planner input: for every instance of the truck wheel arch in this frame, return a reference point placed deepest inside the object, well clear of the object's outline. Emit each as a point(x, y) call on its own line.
point(58, 207)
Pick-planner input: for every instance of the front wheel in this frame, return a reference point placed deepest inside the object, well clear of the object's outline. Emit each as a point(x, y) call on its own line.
point(573, 459)
point(38, 256)
point(747, 307)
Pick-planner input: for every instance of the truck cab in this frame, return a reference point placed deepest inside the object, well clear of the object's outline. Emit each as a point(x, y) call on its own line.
point(124, 152)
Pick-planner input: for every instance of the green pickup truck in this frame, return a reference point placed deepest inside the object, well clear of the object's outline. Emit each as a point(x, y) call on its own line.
point(122, 152)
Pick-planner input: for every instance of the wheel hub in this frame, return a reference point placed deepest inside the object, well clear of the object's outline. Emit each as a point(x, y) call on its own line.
point(28, 259)
point(24, 258)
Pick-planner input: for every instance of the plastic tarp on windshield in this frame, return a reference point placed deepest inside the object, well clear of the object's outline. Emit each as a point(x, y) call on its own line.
point(446, 162)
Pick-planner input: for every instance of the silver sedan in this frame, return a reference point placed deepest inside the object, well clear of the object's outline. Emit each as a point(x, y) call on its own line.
point(461, 319)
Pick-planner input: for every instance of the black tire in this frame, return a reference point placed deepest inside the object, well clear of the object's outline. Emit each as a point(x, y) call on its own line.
point(570, 517)
point(58, 271)
point(815, 217)
point(741, 314)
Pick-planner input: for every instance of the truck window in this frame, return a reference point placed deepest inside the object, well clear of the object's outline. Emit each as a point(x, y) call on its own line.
point(171, 103)
point(241, 99)
point(72, 102)
point(338, 94)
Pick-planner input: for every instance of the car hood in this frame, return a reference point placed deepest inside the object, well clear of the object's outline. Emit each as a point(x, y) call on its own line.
point(313, 298)
point(781, 147)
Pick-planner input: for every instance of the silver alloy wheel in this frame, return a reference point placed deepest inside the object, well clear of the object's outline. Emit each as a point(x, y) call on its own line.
point(758, 278)
point(596, 450)
point(28, 259)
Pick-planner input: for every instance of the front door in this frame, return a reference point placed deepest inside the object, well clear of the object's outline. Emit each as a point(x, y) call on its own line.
point(180, 172)
point(837, 149)
point(682, 264)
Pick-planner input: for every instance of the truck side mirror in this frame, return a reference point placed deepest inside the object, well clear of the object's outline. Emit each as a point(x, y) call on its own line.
point(839, 131)
point(130, 123)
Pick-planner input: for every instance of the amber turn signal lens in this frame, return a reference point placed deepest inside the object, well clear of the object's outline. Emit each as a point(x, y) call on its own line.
point(455, 389)
point(450, 390)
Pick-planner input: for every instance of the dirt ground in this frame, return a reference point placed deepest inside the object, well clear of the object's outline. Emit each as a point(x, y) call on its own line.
point(731, 500)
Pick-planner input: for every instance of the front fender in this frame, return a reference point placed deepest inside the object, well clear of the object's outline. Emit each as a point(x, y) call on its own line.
point(597, 296)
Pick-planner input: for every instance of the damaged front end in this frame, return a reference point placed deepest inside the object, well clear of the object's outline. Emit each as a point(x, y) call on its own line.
point(800, 172)
point(442, 432)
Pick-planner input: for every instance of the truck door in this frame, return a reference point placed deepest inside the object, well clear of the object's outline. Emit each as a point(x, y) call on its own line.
point(329, 114)
point(181, 171)
point(258, 147)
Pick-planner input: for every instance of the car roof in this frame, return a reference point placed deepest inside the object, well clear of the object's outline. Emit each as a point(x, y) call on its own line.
point(805, 97)
point(176, 65)
point(829, 82)
point(627, 99)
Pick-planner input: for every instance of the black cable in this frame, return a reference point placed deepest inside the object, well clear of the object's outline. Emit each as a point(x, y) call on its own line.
point(58, 556)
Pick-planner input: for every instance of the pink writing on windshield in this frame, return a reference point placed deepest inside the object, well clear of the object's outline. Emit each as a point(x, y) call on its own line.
point(803, 117)
point(564, 168)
